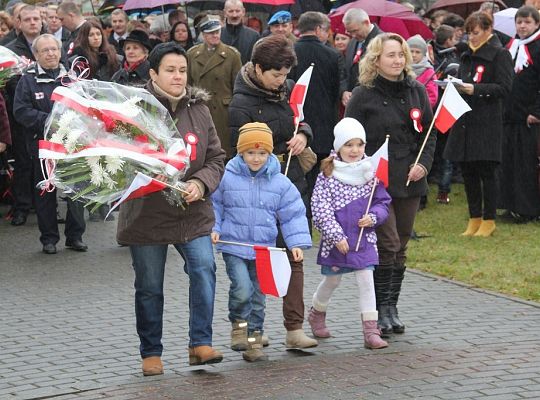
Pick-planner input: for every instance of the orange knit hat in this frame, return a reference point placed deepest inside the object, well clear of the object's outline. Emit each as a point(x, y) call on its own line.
point(255, 135)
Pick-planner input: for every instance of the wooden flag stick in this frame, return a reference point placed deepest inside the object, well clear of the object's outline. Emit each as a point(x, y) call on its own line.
point(367, 210)
point(250, 245)
point(428, 132)
point(290, 151)
point(177, 188)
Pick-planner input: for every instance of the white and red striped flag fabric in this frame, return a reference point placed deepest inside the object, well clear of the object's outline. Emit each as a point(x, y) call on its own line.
point(379, 160)
point(273, 270)
point(298, 95)
point(142, 185)
point(451, 108)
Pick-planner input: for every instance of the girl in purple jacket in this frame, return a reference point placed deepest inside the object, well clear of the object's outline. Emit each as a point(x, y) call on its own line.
point(339, 206)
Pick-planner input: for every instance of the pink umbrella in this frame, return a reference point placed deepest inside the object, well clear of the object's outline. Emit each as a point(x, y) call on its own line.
point(138, 4)
point(391, 17)
point(461, 7)
point(270, 2)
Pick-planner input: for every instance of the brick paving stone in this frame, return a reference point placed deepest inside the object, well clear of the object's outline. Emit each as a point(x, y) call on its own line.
point(68, 327)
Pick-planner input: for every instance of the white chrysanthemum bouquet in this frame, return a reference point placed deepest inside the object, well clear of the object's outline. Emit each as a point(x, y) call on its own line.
point(10, 64)
point(100, 136)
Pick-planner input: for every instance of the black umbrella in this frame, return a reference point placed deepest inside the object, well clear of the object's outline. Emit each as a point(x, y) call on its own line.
point(109, 5)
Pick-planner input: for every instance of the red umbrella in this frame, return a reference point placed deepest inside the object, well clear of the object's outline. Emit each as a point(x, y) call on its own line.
point(461, 7)
point(391, 17)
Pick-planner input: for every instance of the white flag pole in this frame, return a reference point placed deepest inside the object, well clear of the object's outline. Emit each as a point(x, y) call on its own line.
point(430, 129)
point(366, 213)
point(250, 245)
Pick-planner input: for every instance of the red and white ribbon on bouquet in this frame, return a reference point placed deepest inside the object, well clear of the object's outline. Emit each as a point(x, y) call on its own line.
point(170, 162)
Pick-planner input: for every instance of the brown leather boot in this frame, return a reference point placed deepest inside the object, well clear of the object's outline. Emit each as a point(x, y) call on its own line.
point(152, 366)
point(200, 355)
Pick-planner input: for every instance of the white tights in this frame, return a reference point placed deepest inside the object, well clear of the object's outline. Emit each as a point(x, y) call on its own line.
point(366, 288)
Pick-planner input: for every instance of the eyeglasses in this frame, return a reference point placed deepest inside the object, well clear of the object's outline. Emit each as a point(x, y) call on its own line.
point(48, 50)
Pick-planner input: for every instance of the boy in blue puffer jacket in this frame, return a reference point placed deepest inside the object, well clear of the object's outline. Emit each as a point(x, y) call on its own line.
point(252, 198)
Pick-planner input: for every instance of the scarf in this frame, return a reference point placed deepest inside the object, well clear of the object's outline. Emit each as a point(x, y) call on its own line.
point(173, 101)
point(132, 67)
point(419, 68)
point(357, 173)
point(476, 48)
point(520, 53)
point(248, 73)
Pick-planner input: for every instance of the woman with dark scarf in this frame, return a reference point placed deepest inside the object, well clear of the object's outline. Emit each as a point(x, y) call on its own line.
point(181, 34)
point(136, 69)
point(91, 44)
point(261, 94)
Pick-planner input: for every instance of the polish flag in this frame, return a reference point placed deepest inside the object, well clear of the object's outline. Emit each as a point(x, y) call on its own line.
point(379, 160)
point(141, 186)
point(451, 108)
point(273, 270)
point(298, 95)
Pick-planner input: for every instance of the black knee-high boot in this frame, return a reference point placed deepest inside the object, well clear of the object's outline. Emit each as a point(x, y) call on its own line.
point(395, 288)
point(382, 278)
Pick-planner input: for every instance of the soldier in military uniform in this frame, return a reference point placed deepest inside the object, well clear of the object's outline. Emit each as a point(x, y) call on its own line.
point(213, 66)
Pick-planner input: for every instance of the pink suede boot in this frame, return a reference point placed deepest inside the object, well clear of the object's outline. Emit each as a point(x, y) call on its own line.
point(317, 322)
point(372, 334)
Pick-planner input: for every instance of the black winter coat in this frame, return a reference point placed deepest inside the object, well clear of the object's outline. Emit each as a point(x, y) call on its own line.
point(139, 77)
point(103, 73)
point(33, 104)
point(252, 104)
point(241, 38)
point(524, 98)
point(384, 109)
point(322, 100)
point(477, 135)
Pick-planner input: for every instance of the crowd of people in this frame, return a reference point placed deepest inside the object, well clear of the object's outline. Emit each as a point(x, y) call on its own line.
point(230, 86)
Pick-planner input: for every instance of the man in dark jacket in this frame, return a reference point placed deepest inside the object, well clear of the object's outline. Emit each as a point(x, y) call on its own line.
point(54, 25)
point(72, 19)
point(29, 22)
point(321, 105)
point(358, 25)
point(31, 108)
point(119, 21)
point(235, 33)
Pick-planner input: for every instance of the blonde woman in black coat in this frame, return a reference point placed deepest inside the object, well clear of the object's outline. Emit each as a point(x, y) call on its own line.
point(475, 140)
point(385, 100)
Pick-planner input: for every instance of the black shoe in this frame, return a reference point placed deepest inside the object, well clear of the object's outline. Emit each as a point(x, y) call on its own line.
point(384, 322)
point(49, 248)
point(18, 219)
point(397, 325)
point(77, 245)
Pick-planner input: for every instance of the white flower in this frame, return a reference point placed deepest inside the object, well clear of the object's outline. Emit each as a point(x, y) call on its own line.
point(57, 137)
point(97, 174)
point(92, 161)
point(72, 139)
point(109, 182)
point(113, 164)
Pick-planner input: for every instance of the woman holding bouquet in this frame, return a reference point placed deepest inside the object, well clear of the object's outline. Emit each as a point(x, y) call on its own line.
point(148, 225)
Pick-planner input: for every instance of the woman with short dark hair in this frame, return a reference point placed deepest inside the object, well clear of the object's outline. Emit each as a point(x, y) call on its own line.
point(476, 138)
point(261, 94)
point(149, 224)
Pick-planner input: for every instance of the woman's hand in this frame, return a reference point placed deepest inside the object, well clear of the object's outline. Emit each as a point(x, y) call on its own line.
point(467, 88)
point(297, 144)
point(3, 147)
point(297, 254)
point(215, 237)
point(531, 120)
point(416, 173)
point(342, 246)
point(193, 193)
point(365, 222)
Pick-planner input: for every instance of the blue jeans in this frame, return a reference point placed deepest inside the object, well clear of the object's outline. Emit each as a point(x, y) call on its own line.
point(246, 302)
point(149, 265)
point(445, 180)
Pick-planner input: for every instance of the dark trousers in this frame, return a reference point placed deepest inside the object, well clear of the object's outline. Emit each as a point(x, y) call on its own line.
point(293, 302)
point(394, 235)
point(46, 204)
point(480, 187)
point(22, 176)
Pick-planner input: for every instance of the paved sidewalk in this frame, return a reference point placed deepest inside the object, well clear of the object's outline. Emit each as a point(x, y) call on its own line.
point(68, 332)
